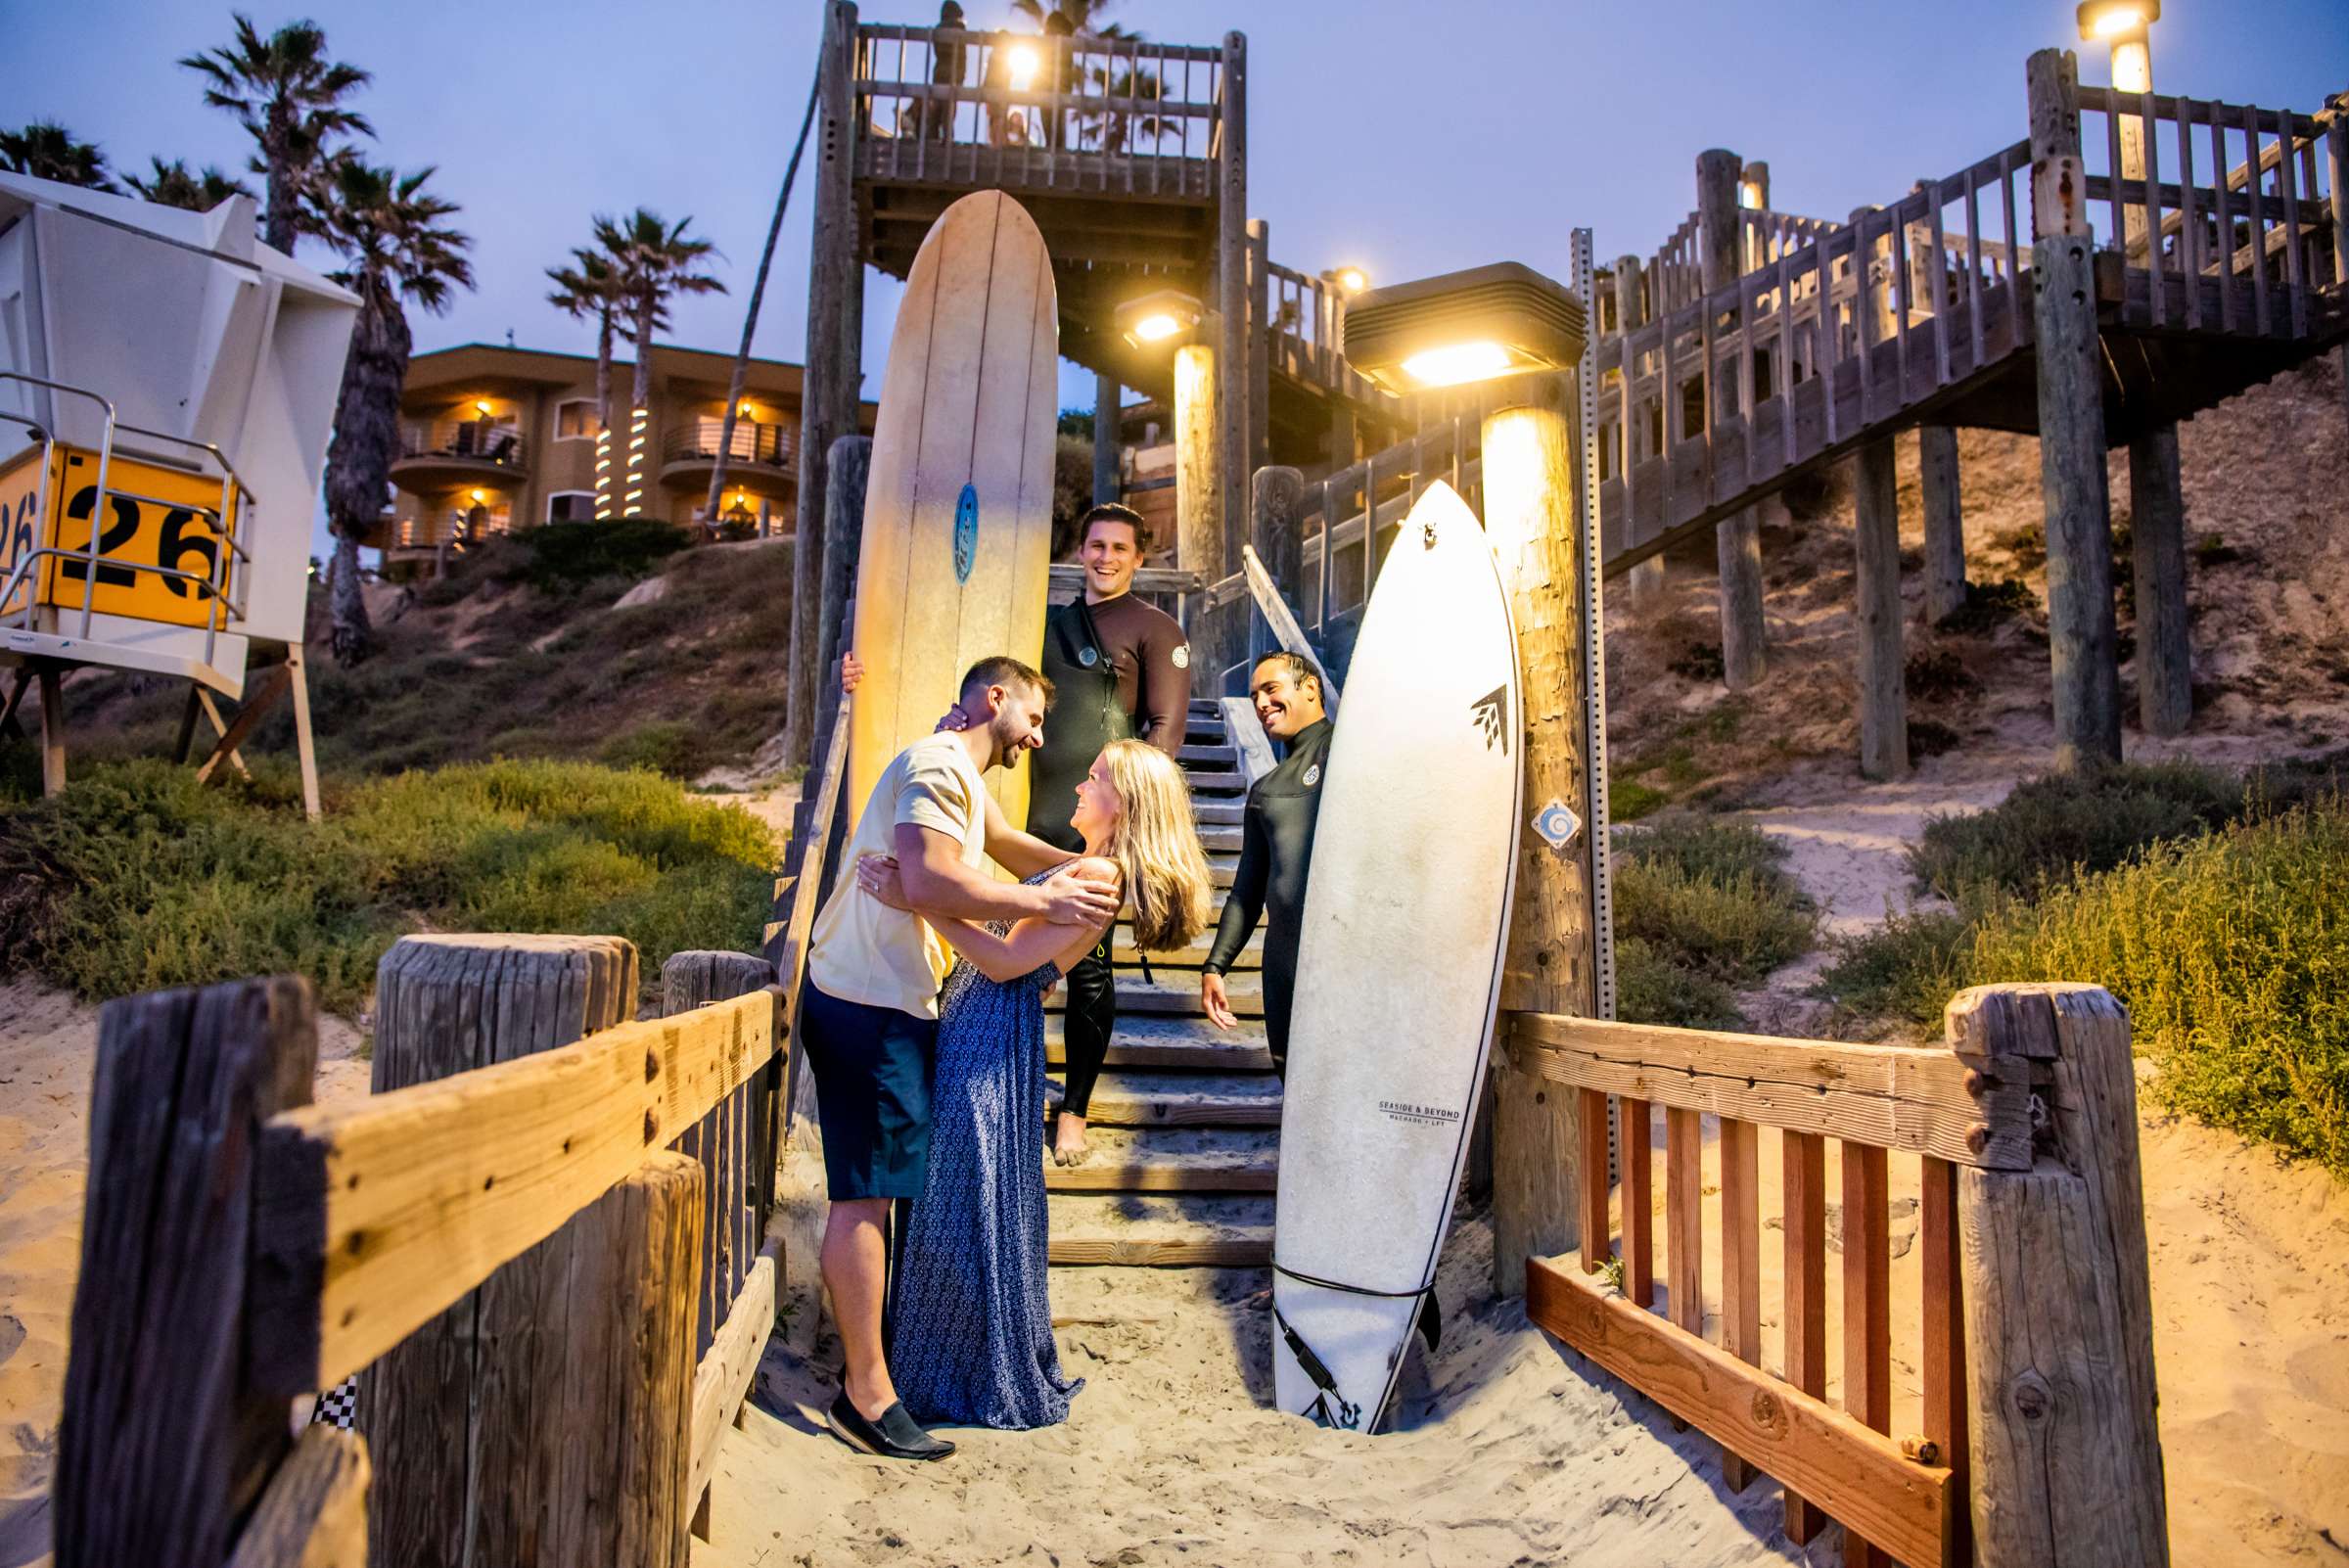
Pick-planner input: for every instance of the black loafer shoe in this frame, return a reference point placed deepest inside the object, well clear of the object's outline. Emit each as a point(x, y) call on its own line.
point(896, 1435)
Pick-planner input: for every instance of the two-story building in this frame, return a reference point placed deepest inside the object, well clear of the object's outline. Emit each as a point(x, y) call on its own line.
point(496, 439)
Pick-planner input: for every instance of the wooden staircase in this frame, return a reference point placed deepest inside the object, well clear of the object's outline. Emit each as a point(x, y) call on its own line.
point(1186, 1123)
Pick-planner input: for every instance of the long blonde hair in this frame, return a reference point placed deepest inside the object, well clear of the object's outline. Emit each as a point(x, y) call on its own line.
point(1155, 845)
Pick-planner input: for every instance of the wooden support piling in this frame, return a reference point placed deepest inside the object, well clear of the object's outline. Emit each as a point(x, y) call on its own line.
point(1744, 654)
point(1108, 399)
point(1240, 341)
point(1945, 521)
point(2081, 636)
point(1552, 960)
point(835, 291)
point(2064, 1442)
point(1647, 579)
point(1199, 453)
point(1276, 495)
point(463, 1394)
point(53, 730)
point(161, 1449)
point(1876, 544)
point(2157, 541)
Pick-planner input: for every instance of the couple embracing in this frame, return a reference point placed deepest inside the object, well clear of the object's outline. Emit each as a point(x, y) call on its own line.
point(923, 1023)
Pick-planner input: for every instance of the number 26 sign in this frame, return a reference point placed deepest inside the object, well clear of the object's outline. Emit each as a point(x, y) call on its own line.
point(154, 517)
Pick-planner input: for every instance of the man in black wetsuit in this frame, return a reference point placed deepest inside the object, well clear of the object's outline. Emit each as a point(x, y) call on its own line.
point(1123, 669)
point(1277, 847)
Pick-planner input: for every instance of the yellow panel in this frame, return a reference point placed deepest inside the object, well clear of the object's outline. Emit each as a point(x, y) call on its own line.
point(20, 519)
point(155, 517)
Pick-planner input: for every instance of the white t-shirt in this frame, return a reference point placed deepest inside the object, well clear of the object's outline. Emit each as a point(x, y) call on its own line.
point(861, 950)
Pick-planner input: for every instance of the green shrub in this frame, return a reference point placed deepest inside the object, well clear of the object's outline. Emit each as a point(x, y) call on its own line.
point(2092, 821)
point(138, 877)
point(1988, 605)
point(2232, 955)
point(1711, 898)
point(565, 557)
point(1629, 799)
point(1650, 988)
point(667, 746)
point(1909, 967)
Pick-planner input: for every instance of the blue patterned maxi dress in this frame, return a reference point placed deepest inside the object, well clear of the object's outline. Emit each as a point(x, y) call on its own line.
point(971, 1335)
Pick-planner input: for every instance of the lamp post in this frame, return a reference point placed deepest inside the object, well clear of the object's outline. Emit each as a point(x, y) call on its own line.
point(2156, 503)
point(1514, 331)
point(1170, 320)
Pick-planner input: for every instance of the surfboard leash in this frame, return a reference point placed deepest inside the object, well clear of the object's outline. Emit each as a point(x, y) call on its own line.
point(1427, 1320)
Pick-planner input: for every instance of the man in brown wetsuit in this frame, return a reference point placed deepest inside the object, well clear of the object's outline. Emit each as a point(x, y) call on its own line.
point(1122, 667)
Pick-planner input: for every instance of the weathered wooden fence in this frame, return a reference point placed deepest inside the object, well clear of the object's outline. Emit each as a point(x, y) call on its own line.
point(2038, 1443)
point(539, 1242)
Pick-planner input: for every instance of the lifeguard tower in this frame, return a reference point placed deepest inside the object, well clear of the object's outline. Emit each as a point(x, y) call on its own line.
point(167, 389)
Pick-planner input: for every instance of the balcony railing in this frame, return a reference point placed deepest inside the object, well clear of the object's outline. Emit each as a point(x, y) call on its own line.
point(479, 440)
point(768, 445)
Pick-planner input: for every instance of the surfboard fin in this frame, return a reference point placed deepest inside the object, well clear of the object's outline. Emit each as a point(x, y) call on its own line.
point(1431, 1322)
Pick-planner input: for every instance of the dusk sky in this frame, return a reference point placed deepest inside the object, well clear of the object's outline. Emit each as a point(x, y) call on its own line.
point(1412, 138)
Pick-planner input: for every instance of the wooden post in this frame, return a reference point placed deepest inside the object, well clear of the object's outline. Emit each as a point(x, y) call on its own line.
point(1235, 428)
point(834, 275)
point(2065, 1446)
point(1644, 582)
point(2071, 426)
point(850, 464)
point(469, 1395)
point(1277, 492)
point(53, 730)
point(1259, 349)
point(306, 745)
point(164, 1443)
point(1199, 451)
point(2157, 535)
point(2337, 146)
point(1553, 961)
point(1108, 399)
point(1876, 546)
point(1945, 522)
point(1737, 542)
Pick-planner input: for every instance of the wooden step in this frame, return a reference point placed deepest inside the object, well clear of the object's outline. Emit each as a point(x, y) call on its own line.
point(1125, 955)
point(1185, 1100)
point(1161, 1231)
point(1215, 782)
point(1165, 1174)
point(1245, 994)
point(1132, 1046)
point(1222, 839)
point(1217, 812)
point(1206, 756)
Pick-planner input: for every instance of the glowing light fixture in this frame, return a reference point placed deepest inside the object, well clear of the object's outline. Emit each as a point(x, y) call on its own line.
point(1167, 318)
point(745, 411)
point(1463, 327)
point(482, 404)
point(1352, 280)
point(1025, 64)
point(2114, 19)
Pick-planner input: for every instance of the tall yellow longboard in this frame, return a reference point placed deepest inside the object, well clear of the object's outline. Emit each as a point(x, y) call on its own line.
point(958, 508)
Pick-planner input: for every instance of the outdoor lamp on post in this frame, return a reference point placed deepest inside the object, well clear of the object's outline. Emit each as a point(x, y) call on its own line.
point(1170, 320)
point(1510, 327)
point(2126, 25)
point(1351, 280)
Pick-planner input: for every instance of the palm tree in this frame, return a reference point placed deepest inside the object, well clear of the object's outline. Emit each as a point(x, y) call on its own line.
point(173, 185)
point(655, 263)
point(589, 290)
point(47, 151)
point(288, 95)
point(1083, 16)
point(398, 248)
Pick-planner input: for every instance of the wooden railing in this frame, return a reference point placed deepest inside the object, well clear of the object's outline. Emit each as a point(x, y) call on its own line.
point(2036, 1443)
point(539, 1240)
point(2246, 254)
point(938, 105)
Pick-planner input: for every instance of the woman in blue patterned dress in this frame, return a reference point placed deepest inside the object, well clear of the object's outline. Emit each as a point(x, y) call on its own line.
point(971, 1338)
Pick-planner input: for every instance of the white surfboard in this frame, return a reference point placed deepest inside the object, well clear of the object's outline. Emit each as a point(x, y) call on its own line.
point(958, 508)
point(1399, 968)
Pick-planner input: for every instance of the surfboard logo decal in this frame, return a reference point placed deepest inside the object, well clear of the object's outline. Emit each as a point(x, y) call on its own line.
point(966, 534)
point(1491, 712)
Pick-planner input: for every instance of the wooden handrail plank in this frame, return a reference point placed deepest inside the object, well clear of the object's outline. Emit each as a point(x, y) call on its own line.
point(1867, 1320)
point(1891, 1096)
point(1805, 1181)
point(1859, 1476)
point(1740, 1262)
point(374, 1215)
point(1638, 1203)
point(722, 1380)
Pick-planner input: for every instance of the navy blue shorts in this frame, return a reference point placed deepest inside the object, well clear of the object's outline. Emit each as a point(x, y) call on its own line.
point(872, 1070)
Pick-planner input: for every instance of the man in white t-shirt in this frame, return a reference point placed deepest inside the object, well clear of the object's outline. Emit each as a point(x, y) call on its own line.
point(868, 1018)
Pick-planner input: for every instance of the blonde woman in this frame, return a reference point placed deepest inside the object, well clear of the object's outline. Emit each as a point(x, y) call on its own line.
point(971, 1340)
